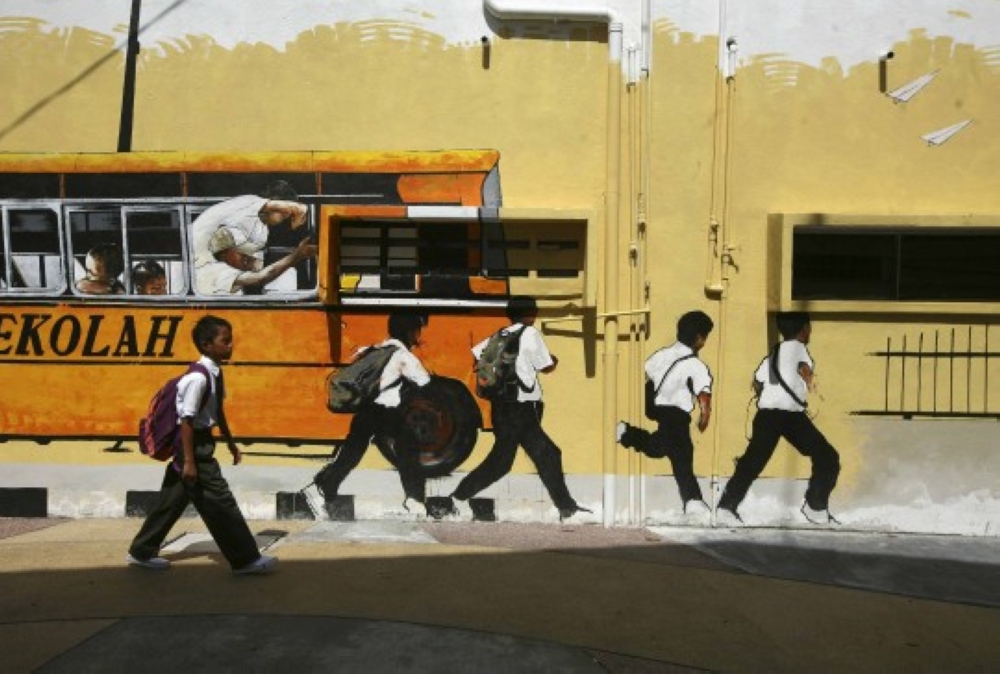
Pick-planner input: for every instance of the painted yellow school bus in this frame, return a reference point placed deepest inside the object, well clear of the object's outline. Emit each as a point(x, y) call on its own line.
point(83, 345)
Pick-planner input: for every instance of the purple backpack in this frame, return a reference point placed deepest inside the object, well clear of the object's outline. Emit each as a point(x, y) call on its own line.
point(159, 433)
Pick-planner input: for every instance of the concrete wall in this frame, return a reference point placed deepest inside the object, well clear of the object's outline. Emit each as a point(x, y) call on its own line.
point(747, 110)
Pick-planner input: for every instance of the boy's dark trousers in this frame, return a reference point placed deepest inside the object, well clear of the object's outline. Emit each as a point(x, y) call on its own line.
point(213, 500)
point(769, 426)
point(392, 437)
point(672, 439)
point(519, 423)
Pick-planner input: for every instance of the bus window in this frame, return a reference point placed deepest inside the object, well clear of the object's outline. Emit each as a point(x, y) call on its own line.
point(155, 251)
point(426, 258)
point(96, 251)
point(234, 224)
point(30, 251)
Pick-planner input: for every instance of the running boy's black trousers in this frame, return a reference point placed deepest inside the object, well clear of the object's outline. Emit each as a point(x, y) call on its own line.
point(212, 499)
point(672, 439)
point(519, 423)
point(394, 440)
point(769, 426)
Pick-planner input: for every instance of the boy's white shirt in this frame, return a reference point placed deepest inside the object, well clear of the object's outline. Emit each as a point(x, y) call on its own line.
point(532, 356)
point(190, 391)
point(674, 392)
point(791, 354)
point(402, 365)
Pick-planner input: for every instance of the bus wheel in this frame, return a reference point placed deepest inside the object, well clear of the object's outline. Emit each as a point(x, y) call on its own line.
point(445, 419)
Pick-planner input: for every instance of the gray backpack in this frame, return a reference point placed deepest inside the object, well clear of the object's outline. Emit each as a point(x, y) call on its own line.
point(496, 372)
point(356, 385)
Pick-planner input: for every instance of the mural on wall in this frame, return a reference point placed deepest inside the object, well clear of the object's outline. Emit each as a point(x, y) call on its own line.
point(676, 380)
point(386, 383)
point(943, 374)
point(133, 247)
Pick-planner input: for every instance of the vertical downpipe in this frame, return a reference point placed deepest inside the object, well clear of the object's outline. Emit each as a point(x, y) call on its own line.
point(611, 269)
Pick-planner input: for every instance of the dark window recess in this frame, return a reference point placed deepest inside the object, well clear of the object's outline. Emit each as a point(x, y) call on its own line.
point(35, 252)
point(904, 264)
point(154, 233)
point(122, 185)
point(29, 185)
point(237, 184)
point(361, 188)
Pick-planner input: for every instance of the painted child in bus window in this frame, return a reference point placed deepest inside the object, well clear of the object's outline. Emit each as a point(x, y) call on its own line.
point(253, 216)
point(149, 278)
point(104, 264)
point(235, 265)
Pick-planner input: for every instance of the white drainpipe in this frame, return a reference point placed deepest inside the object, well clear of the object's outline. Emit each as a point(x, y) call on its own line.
point(594, 12)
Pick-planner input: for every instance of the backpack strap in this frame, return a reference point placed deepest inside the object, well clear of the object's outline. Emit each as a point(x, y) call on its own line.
point(773, 360)
point(517, 342)
point(201, 369)
point(665, 374)
point(399, 380)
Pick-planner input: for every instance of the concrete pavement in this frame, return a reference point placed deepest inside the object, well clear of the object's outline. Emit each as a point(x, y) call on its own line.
point(458, 596)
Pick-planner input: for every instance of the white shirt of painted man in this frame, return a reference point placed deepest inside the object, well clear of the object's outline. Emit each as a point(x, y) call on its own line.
point(242, 213)
point(190, 393)
point(791, 354)
point(675, 392)
point(402, 365)
point(532, 356)
point(217, 278)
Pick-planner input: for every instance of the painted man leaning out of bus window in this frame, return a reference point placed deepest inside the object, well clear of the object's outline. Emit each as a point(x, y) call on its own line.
point(252, 215)
point(235, 266)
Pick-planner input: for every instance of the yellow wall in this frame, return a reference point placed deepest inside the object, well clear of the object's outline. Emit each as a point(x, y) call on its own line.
point(780, 137)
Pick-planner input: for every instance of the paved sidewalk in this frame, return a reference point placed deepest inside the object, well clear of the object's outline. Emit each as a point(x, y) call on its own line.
point(456, 596)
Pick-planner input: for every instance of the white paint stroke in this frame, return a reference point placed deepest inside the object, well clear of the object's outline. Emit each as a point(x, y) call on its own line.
point(806, 31)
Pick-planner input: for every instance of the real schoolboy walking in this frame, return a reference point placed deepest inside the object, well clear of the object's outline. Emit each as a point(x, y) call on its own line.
point(194, 475)
point(679, 379)
point(782, 382)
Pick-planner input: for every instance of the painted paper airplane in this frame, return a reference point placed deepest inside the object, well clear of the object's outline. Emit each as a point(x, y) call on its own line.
point(911, 89)
point(941, 135)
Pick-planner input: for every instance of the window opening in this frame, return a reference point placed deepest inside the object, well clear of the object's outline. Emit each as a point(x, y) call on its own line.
point(31, 251)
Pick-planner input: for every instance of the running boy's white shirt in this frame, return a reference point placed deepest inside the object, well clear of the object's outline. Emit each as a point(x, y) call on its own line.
point(402, 365)
point(791, 354)
point(532, 356)
point(191, 391)
point(675, 392)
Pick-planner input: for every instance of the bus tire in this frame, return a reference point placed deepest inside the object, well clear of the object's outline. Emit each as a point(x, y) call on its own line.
point(445, 420)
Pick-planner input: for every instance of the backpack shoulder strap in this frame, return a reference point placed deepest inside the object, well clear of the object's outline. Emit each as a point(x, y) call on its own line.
point(665, 374)
point(773, 360)
point(201, 369)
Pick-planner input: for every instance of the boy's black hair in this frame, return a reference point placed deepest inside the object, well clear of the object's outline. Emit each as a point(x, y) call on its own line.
point(520, 306)
point(790, 323)
point(206, 328)
point(145, 271)
point(402, 325)
point(110, 255)
point(692, 325)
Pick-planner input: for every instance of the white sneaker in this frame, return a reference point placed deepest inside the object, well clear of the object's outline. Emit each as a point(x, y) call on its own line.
point(155, 563)
point(730, 519)
point(696, 507)
point(264, 564)
point(316, 502)
point(817, 516)
point(620, 431)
